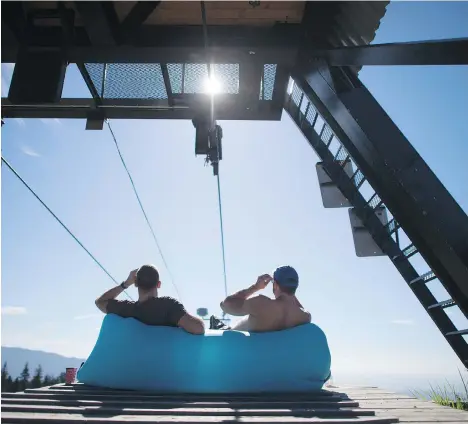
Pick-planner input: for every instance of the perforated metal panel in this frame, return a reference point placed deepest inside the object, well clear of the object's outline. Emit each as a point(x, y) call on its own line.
point(134, 81)
point(267, 83)
point(175, 71)
point(146, 81)
point(96, 72)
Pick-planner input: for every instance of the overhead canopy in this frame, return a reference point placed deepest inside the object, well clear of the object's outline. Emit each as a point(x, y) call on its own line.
point(152, 54)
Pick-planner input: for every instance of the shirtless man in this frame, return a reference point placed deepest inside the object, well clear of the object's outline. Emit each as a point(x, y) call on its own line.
point(263, 313)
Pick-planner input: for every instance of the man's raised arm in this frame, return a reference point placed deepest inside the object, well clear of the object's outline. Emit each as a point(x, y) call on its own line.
point(101, 302)
point(238, 304)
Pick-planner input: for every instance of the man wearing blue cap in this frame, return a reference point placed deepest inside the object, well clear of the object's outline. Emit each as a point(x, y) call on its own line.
point(263, 313)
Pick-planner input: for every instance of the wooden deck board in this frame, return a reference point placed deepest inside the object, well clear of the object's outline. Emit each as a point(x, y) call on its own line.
point(63, 404)
point(65, 418)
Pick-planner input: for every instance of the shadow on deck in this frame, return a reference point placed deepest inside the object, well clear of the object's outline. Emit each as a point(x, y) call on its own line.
point(71, 403)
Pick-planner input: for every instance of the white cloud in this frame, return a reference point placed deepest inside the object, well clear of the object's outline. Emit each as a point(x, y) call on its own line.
point(30, 152)
point(13, 310)
point(50, 121)
point(20, 121)
point(88, 316)
point(402, 321)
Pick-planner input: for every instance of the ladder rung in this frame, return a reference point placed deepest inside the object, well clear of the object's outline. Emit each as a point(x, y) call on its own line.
point(392, 226)
point(444, 304)
point(457, 333)
point(410, 250)
point(428, 276)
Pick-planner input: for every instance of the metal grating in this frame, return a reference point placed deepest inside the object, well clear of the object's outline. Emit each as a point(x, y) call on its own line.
point(374, 201)
point(410, 250)
point(227, 75)
point(96, 72)
point(392, 226)
point(267, 83)
point(175, 71)
point(296, 96)
point(195, 76)
point(146, 81)
point(134, 81)
point(358, 178)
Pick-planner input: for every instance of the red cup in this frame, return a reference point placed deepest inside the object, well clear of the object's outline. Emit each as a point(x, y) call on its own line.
point(70, 375)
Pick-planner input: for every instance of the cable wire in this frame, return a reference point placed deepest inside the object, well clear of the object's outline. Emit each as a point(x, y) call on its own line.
point(222, 236)
point(143, 209)
point(205, 38)
point(61, 223)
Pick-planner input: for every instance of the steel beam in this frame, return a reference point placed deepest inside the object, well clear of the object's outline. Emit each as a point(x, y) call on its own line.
point(439, 52)
point(378, 231)
point(228, 108)
point(100, 21)
point(419, 202)
point(167, 44)
point(137, 16)
point(13, 23)
point(250, 76)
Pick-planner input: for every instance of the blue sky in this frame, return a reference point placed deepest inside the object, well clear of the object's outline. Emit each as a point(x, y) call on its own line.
point(273, 215)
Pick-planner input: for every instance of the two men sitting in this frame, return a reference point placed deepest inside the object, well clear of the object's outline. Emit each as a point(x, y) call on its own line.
point(261, 313)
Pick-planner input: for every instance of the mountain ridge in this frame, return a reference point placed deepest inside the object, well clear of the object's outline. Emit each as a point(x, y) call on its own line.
point(52, 363)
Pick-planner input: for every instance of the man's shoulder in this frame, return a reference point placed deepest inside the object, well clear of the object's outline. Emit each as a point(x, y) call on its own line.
point(167, 300)
point(260, 300)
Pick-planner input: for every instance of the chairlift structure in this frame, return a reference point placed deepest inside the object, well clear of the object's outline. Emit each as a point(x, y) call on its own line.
point(147, 60)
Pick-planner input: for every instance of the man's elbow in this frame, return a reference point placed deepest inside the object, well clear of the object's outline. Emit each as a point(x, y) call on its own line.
point(192, 325)
point(232, 307)
point(222, 306)
point(198, 329)
point(100, 305)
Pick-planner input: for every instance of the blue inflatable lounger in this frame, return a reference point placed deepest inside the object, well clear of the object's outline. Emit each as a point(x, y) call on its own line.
point(131, 355)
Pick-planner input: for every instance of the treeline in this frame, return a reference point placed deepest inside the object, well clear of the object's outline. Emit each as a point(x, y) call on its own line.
point(25, 381)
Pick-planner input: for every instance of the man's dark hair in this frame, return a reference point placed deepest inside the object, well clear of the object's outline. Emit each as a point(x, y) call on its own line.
point(147, 277)
point(287, 289)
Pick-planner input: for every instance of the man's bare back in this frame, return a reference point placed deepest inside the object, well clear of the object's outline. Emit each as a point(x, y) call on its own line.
point(274, 315)
point(265, 314)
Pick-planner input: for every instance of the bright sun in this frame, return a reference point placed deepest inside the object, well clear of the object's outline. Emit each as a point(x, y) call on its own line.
point(212, 86)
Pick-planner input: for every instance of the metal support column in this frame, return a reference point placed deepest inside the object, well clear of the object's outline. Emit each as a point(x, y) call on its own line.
point(425, 210)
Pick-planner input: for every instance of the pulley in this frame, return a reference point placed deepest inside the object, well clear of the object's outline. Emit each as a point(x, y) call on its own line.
point(208, 140)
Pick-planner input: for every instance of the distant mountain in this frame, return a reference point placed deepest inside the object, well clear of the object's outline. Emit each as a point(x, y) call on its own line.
point(52, 363)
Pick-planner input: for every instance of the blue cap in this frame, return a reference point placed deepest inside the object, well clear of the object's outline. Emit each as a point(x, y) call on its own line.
point(286, 276)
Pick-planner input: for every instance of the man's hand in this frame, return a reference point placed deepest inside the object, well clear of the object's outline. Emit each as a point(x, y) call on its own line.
point(131, 278)
point(263, 281)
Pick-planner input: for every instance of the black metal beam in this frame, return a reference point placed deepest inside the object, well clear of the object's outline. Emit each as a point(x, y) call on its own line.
point(167, 84)
point(228, 108)
point(378, 231)
point(250, 76)
point(136, 17)
point(281, 84)
point(420, 203)
point(160, 43)
point(100, 21)
point(13, 22)
point(439, 52)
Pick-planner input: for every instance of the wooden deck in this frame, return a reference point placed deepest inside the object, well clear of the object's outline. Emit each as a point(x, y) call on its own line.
point(71, 403)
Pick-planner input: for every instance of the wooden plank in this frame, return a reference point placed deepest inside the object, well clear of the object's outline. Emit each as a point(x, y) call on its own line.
point(187, 396)
point(19, 417)
point(80, 386)
point(202, 412)
point(360, 398)
point(179, 404)
point(426, 415)
point(114, 397)
point(399, 404)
